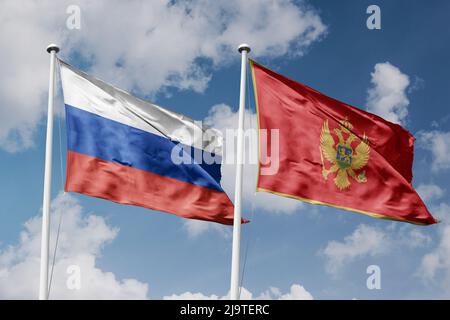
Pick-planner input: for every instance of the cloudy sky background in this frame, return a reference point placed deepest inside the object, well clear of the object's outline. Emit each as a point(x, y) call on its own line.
point(182, 55)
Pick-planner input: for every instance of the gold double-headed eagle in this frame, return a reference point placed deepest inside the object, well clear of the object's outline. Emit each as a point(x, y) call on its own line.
point(344, 160)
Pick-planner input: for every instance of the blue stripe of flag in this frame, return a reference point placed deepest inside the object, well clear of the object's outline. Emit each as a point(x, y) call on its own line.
point(109, 140)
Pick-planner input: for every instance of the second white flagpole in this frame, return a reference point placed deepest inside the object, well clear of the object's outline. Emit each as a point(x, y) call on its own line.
point(45, 238)
point(244, 49)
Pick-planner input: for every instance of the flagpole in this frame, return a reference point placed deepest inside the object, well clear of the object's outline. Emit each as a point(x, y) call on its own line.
point(45, 238)
point(244, 49)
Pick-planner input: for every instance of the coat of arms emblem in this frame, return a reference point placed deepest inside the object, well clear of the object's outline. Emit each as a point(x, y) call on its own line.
point(344, 160)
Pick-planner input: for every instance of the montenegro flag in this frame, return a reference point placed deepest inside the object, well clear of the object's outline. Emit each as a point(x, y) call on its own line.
point(324, 151)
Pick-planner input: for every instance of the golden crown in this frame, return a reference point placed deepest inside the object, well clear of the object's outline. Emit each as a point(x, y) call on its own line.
point(346, 124)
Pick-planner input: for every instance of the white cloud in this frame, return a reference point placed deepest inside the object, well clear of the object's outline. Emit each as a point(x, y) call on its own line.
point(430, 192)
point(368, 241)
point(296, 292)
point(143, 46)
point(442, 212)
point(438, 143)
point(364, 241)
point(194, 228)
point(387, 97)
point(435, 265)
point(81, 241)
point(25, 31)
point(431, 262)
point(413, 238)
point(191, 296)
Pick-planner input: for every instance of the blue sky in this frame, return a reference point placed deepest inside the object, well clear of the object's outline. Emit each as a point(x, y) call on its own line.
point(190, 66)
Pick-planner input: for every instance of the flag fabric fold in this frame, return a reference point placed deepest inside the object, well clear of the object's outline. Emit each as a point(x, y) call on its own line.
point(130, 151)
point(333, 154)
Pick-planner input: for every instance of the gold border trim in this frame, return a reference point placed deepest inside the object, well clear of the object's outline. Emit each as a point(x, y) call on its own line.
point(316, 202)
point(255, 92)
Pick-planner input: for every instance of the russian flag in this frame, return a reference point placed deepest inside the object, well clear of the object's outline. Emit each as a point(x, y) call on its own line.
point(130, 151)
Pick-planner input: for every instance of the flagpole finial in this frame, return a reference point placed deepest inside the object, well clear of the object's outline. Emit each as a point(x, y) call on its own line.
point(52, 47)
point(244, 47)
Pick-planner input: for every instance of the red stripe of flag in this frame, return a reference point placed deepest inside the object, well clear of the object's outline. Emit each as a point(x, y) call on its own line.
point(119, 183)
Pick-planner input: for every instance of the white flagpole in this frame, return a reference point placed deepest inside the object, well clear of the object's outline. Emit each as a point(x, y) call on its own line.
point(244, 49)
point(45, 240)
